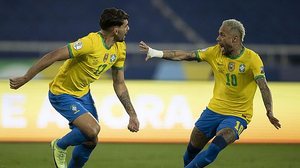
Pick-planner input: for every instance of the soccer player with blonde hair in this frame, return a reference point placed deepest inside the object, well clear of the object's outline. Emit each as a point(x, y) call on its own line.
point(86, 60)
point(237, 72)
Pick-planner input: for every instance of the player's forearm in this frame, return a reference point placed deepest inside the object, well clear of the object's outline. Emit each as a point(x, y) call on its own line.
point(123, 95)
point(174, 55)
point(267, 98)
point(42, 64)
point(47, 60)
point(178, 55)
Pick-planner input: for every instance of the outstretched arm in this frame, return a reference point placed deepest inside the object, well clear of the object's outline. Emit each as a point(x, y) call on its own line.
point(267, 99)
point(44, 62)
point(174, 55)
point(122, 93)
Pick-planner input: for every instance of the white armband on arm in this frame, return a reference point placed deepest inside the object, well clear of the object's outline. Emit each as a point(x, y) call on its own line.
point(155, 53)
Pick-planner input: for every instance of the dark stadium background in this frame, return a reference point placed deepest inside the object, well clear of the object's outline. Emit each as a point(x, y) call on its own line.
point(272, 29)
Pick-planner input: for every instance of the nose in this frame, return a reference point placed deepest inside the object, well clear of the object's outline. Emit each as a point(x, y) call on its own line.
point(218, 39)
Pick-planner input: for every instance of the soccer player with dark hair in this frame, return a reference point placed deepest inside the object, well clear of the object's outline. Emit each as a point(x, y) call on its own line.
point(237, 72)
point(69, 93)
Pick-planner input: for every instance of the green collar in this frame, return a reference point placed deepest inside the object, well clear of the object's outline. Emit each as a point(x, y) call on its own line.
point(237, 56)
point(103, 42)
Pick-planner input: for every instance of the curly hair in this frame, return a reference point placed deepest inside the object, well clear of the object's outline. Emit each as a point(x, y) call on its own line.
point(112, 17)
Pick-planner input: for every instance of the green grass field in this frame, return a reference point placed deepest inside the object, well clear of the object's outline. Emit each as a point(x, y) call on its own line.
point(108, 155)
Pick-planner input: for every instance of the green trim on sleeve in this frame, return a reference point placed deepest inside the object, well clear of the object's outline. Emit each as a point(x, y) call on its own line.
point(198, 56)
point(117, 68)
point(259, 77)
point(70, 51)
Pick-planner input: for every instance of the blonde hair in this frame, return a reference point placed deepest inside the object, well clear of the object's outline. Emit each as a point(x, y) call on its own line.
point(237, 26)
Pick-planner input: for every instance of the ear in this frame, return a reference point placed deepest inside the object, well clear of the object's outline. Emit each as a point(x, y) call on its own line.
point(235, 38)
point(115, 30)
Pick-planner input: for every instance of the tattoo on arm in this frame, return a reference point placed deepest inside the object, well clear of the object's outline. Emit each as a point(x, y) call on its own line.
point(178, 55)
point(122, 92)
point(124, 98)
point(266, 94)
point(169, 54)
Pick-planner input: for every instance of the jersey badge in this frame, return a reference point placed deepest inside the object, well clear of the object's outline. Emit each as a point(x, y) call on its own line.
point(113, 58)
point(262, 71)
point(77, 45)
point(242, 68)
point(202, 50)
point(105, 57)
point(231, 66)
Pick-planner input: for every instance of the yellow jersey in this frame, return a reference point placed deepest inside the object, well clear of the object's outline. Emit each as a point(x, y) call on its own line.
point(89, 58)
point(235, 84)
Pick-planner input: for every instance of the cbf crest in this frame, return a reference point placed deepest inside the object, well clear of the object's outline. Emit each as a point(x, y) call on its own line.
point(231, 66)
point(113, 58)
point(242, 68)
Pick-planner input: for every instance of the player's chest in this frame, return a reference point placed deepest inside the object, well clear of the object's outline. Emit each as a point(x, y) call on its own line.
point(227, 65)
point(99, 58)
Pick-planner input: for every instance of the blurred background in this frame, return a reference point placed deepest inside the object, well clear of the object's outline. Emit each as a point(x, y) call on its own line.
point(31, 28)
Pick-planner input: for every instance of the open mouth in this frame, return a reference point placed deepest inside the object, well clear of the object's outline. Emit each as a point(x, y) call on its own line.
point(222, 47)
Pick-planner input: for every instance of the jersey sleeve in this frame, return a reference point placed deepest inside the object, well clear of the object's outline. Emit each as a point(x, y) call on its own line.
point(203, 54)
point(80, 47)
point(119, 64)
point(257, 67)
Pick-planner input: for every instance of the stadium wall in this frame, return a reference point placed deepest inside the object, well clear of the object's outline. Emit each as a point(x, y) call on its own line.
point(167, 111)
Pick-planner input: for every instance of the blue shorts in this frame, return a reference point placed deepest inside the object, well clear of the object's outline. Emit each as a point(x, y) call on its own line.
point(210, 123)
point(72, 107)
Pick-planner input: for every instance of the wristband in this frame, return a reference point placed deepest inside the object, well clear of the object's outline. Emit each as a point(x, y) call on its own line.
point(155, 53)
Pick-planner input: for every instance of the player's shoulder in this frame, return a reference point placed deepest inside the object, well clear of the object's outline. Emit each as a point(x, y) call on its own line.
point(94, 36)
point(210, 48)
point(93, 39)
point(216, 47)
point(121, 45)
point(252, 56)
point(251, 52)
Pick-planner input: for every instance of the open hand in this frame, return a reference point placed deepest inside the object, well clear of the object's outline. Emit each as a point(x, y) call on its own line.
point(273, 120)
point(144, 48)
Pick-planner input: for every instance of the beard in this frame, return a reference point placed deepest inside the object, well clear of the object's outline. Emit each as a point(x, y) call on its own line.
point(226, 50)
point(120, 38)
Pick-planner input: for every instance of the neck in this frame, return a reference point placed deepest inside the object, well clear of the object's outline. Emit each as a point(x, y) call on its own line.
point(237, 50)
point(108, 38)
